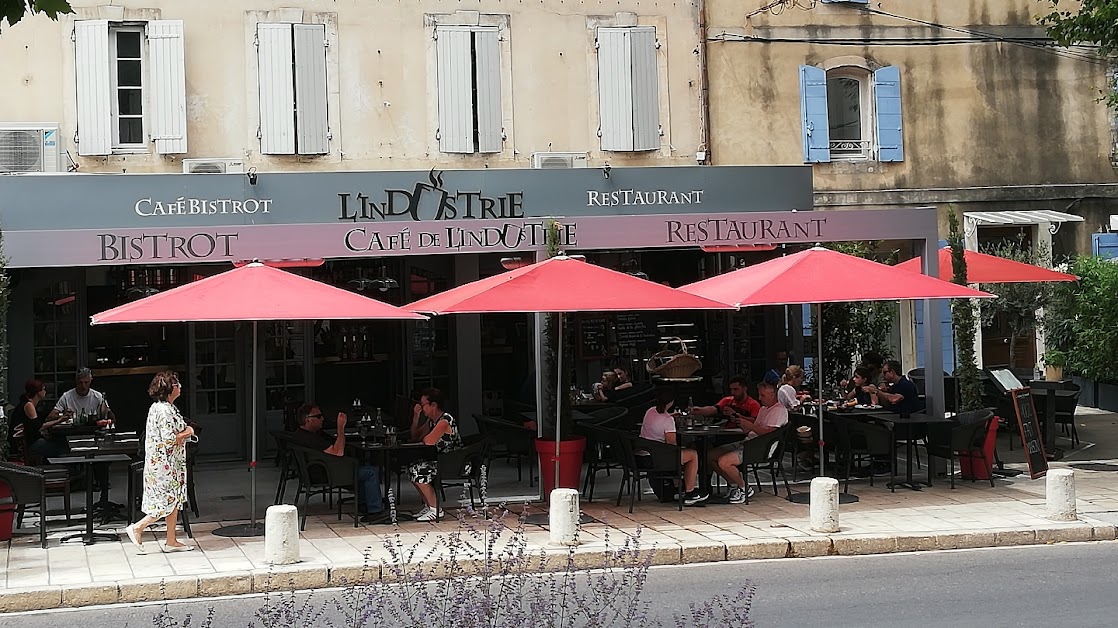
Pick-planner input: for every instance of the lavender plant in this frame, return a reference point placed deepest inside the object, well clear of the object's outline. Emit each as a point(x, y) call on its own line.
point(486, 574)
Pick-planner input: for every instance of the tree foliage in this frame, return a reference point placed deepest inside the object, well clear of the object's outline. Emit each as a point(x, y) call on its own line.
point(963, 322)
point(1085, 22)
point(1017, 302)
point(851, 330)
point(1081, 321)
point(12, 11)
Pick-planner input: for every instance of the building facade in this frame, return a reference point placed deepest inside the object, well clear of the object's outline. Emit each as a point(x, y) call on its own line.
point(962, 103)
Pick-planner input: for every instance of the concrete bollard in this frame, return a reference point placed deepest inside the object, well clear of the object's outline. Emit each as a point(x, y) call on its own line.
point(824, 505)
point(1060, 493)
point(564, 515)
point(281, 535)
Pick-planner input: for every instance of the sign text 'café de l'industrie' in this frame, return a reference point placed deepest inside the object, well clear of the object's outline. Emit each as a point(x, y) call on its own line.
point(110, 219)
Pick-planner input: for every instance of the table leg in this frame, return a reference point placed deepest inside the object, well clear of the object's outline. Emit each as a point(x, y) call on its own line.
point(89, 537)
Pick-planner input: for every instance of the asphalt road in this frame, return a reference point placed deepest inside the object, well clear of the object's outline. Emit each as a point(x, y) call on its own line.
point(1073, 584)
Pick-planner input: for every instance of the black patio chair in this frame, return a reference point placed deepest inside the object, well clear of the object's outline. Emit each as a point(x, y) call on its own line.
point(511, 441)
point(967, 434)
point(28, 486)
point(461, 467)
point(289, 470)
point(644, 459)
point(866, 440)
point(766, 450)
point(322, 474)
point(602, 453)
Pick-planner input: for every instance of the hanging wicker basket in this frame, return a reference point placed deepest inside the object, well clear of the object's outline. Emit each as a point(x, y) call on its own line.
point(668, 362)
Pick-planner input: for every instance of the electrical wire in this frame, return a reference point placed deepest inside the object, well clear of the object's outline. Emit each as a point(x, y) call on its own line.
point(1031, 43)
point(777, 7)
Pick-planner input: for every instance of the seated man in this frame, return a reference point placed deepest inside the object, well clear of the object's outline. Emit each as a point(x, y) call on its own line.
point(659, 425)
point(735, 406)
point(725, 459)
point(896, 392)
point(309, 435)
point(434, 426)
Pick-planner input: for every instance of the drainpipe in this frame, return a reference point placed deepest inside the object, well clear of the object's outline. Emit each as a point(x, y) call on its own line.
point(704, 87)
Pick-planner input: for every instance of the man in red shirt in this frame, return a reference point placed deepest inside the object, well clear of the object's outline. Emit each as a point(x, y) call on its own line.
point(738, 403)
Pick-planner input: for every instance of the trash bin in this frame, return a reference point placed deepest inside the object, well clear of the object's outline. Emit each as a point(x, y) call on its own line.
point(7, 512)
point(570, 463)
point(971, 466)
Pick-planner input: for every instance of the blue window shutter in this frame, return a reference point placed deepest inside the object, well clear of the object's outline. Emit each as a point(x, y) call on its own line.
point(1105, 245)
point(813, 112)
point(887, 94)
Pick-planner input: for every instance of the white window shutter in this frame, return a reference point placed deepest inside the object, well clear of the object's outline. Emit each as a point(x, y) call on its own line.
point(311, 124)
point(275, 73)
point(615, 89)
point(94, 90)
point(490, 123)
point(167, 77)
point(646, 93)
point(456, 84)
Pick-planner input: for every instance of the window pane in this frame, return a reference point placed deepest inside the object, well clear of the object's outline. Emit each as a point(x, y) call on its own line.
point(131, 131)
point(128, 73)
point(128, 45)
point(844, 108)
point(130, 102)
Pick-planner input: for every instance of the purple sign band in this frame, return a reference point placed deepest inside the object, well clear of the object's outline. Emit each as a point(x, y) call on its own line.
point(188, 245)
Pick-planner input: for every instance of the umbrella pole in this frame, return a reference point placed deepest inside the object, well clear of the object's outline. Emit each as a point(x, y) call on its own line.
point(558, 392)
point(255, 418)
point(819, 380)
point(253, 528)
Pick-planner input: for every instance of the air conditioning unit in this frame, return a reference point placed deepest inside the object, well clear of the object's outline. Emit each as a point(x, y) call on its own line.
point(558, 160)
point(213, 166)
point(28, 148)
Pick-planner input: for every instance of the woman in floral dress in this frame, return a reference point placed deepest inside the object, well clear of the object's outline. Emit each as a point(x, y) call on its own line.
point(164, 462)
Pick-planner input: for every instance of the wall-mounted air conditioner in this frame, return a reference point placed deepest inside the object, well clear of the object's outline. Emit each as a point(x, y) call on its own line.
point(28, 148)
point(213, 166)
point(558, 160)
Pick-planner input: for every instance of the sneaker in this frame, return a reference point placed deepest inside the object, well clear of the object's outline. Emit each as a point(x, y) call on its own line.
point(430, 514)
point(880, 468)
point(806, 466)
point(737, 495)
point(694, 497)
point(375, 517)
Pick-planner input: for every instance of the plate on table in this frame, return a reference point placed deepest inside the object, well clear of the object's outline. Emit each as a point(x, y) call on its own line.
point(867, 407)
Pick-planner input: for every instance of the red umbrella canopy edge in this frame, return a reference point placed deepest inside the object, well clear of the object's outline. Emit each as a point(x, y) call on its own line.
point(986, 268)
point(253, 292)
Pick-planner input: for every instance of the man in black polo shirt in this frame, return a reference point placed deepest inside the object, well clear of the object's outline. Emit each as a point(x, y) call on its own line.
point(309, 435)
point(897, 392)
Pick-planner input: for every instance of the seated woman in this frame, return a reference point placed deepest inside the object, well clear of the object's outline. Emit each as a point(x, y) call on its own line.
point(788, 393)
point(30, 430)
point(862, 392)
point(659, 425)
point(434, 426)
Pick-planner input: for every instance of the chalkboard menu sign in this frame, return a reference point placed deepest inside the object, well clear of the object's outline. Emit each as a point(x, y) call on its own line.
point(637, 330)
point(1030, 432)
point(593, 338)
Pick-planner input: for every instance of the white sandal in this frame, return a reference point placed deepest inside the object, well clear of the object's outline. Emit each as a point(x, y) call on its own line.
point(177, 548)
point(132, 536)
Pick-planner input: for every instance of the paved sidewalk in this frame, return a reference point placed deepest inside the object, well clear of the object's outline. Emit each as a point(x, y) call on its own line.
point(335, 553)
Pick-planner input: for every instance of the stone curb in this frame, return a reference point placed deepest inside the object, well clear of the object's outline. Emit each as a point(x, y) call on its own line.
point(314, 575)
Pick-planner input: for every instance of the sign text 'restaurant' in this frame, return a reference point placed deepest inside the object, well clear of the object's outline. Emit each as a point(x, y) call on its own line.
point(729, 231)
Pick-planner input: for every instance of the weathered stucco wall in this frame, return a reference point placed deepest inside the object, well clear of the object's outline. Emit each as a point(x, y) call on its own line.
point(975, 114)
point(380, 80)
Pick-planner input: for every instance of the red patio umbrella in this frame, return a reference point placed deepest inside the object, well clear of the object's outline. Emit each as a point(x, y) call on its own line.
point(561, 284)
point(984, 268)
point(253, 292)
point(818, 276)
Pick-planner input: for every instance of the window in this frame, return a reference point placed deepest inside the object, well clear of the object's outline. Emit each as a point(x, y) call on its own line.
point(851, 114)
point(131, 86)
point(628, 89)
point(291, 69)
point(469, 77)
point(847, 115)
point(126, 52)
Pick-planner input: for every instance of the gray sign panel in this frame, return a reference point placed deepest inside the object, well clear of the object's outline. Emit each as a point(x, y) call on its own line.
point(146, 201)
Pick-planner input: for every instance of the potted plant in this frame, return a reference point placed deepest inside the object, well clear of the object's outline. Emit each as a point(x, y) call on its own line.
point(1054, 363)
